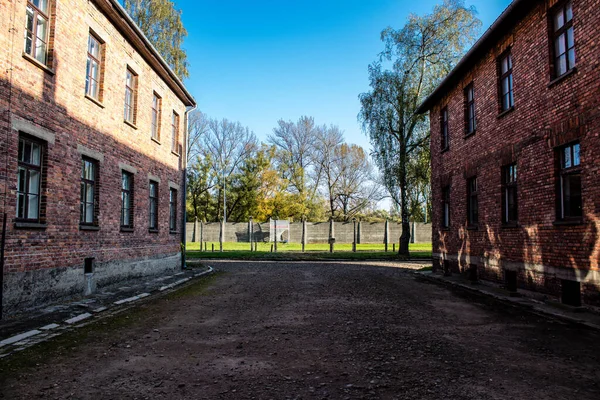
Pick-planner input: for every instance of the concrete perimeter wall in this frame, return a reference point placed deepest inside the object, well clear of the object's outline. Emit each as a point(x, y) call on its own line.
point(318, 232)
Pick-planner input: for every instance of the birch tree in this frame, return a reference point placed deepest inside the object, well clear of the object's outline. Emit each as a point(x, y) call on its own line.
point(161, 23)
point(419, 55)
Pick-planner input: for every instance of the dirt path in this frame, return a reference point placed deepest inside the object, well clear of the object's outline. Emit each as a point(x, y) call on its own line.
point(309, 330)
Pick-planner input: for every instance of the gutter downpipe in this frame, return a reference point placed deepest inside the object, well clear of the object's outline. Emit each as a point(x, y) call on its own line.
point(184, 191)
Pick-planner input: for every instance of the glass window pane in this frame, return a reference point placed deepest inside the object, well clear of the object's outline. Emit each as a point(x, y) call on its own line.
point(21, 179)
point(20, 205)
point(561, 65)
point(34, 182)
point(27, 152)
point(560, 45)
point(89, 213)
point(35, 154)
point(29, 19)
point(33, 209)
point(567, 157)
point(504, 65)
point(89, 196)
point(575, 209)
point(94, 47)
point(42, 5)
point(569, 9)
point(571, 58)
point(570, 39)
point(559, 20)
point(40, 52)
point(42, 27)
point(576, 159)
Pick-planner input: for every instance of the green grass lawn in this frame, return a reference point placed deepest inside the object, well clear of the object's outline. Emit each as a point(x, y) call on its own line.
point(312, 251)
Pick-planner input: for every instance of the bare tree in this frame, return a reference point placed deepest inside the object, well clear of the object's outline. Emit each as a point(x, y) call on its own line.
point(295, 145)
point(227, 144)
point(420, 54)
point(356, 187)
point(327, 141)
point(198, 129)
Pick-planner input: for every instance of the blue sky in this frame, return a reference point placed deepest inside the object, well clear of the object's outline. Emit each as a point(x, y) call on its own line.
point(259, 61)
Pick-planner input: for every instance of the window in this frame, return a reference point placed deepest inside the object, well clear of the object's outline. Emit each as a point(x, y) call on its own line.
point(36, 30)
point(506, 82)
point(472, 204)
point(130, 96)
point(172, 210)
point(563, 39)
point(175, 131)
point(156, 113)
point(126, 200)
point(93, 68)
point(444, 128)
point(29, 180)
point(569, 185)
point(89, 189)
point(470, 124)
point(509, 194)
point(153, 212)
point(446, 207)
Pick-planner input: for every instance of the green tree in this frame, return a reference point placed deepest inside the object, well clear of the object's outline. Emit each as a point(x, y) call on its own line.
point(421, 54)
point(161, 23)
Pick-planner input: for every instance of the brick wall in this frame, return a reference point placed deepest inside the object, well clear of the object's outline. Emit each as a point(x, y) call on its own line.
point(50, 103)
point(545, 116)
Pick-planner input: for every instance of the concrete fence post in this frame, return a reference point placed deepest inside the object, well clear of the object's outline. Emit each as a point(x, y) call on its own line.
point(358, 232)
point(275, 231)
point(250, 231)
point(303, 240)
point(331, 234)
point(354, 236)
point(195, 232)
point(221, 234)
point(202, 236)
point(386, 235)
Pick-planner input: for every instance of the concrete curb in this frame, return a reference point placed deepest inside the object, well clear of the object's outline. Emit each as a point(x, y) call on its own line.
point(29, 338)
point(524, 304)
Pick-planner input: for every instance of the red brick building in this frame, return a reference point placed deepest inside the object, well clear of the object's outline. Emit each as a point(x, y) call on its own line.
point(92, 136)
point(515, 145)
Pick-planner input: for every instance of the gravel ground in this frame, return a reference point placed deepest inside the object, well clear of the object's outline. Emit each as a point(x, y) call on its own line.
point(277, 330)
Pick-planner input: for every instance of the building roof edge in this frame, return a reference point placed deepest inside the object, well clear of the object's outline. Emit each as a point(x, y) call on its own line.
point(119, 17)
point(500, 25)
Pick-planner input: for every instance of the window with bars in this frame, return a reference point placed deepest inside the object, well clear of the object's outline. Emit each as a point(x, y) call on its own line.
point(175, 132)
point(93, 68)
point(563, 39)
point(507, 100)
point(446, 207)
point(29, 180)
point(89, 189)
point(569, 186)
point(126, 200)
point(153, 205)
point(509, 194)
point(156, 114)
point(37, 26)
point(472, 203)
point(130, 96)
point(470, 122)
point(172, 210)
point(444, 128)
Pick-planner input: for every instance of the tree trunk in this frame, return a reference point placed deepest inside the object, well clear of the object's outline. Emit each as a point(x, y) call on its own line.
point(405, 236)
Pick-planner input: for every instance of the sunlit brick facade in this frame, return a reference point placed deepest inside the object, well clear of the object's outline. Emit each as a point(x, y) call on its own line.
point(516, 161)
point(88, 164)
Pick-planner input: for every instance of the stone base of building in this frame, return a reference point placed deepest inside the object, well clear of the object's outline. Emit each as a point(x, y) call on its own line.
point(36, 288)
point(573, 286)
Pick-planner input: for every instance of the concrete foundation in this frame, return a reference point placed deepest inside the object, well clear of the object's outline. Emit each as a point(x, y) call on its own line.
point(37, 288)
